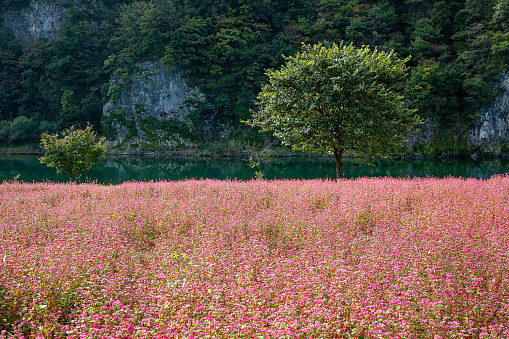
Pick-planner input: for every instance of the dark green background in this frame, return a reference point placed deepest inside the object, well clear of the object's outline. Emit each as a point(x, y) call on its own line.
point(458, 48)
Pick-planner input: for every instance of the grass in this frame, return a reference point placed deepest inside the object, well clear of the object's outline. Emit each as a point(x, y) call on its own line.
point(365, 258)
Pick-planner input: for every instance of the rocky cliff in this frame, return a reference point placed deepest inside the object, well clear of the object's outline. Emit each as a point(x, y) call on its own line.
point(40, 20)
point(152, 113)
point(490, 133)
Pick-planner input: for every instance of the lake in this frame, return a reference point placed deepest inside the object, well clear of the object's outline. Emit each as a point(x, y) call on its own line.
point(117, 169)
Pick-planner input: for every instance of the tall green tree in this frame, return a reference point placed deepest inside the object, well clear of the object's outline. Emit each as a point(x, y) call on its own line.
point(336, 99)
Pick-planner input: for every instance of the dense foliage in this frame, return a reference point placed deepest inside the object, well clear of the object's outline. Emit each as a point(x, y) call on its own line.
point(224, 46)
point(366, 258)
point(76, 151)
point(336, 99)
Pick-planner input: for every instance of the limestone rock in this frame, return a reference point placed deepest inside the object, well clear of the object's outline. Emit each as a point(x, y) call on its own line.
point(153, 111)
point(42, 19)
point(490, 131)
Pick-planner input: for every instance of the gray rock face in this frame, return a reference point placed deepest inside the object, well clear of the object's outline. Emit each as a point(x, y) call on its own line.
point(156, 92)
point(424, 134)
point(490, 131)
point(153, 97)
point(491, 128)
point(41, 20)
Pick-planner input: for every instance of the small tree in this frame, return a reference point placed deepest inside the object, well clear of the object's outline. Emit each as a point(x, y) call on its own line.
point(75, 152)
point(336, 99)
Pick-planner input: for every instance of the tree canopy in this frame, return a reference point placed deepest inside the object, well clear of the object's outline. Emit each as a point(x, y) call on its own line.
point(336, 99)
point(76, 151)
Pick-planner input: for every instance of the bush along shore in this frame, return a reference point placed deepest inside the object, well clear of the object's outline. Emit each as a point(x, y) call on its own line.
point(365, 258)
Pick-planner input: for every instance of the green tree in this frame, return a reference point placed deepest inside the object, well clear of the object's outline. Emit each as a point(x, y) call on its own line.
point(70, 113)
point(334, 16)
point(501, 15)
point(336, 99)
point(75, 152)
point(20, 130)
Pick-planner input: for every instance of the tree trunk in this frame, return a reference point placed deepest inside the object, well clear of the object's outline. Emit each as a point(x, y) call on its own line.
point(338, 154)
point(73, 177)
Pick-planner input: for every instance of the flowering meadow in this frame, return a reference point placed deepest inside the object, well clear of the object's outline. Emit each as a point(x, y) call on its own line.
point(364, 258)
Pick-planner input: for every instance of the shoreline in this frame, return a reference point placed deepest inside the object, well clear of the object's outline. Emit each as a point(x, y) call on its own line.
point(34, 150)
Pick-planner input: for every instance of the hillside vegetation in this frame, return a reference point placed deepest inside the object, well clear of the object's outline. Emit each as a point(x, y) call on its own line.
point(458, 47)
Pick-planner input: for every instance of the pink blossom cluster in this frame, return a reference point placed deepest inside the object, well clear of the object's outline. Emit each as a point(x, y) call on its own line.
point(364, 258)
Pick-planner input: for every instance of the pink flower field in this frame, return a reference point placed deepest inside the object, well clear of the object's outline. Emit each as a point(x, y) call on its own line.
point(365, 258)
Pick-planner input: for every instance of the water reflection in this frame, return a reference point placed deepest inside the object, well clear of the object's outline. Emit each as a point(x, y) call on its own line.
point(124, 168)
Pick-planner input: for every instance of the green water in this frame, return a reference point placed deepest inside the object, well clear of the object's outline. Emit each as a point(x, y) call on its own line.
point(118, 169)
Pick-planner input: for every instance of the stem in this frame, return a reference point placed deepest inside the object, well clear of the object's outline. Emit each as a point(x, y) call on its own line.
point(338, 154)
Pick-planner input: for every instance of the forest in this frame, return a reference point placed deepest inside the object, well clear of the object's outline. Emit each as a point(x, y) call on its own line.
point(224, 47)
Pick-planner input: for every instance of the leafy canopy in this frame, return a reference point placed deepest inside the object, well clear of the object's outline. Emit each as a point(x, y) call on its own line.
point(336, 99)
point(74, 153)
